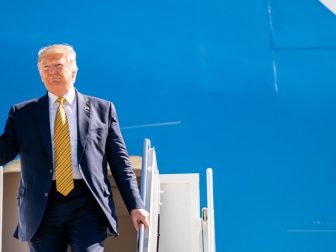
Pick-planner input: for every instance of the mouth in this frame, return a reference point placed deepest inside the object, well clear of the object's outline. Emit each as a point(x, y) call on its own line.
point(54, 78)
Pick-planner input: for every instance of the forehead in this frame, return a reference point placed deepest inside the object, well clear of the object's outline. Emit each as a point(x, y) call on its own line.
point(53, 57)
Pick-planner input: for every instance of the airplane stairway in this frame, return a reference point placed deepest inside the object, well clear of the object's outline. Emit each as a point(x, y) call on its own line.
point(173, 203)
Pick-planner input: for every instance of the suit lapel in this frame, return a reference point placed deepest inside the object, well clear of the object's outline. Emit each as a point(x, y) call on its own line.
point(42, 117)
point(83, 121)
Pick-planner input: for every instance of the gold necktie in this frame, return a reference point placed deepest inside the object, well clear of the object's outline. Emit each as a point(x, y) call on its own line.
point(62, 146)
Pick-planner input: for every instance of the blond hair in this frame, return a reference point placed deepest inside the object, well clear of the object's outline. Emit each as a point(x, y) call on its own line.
point(66, 49)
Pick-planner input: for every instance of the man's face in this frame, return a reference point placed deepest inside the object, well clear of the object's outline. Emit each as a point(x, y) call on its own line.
point(57, 73)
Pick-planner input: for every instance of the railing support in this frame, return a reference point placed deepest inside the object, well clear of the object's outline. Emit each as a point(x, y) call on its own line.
point(210, 211)
point(1, 204)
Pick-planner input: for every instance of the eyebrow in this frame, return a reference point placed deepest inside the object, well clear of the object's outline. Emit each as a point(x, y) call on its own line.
point(56, 63)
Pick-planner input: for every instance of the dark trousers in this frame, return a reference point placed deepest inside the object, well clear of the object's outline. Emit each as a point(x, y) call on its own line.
point(75, 219)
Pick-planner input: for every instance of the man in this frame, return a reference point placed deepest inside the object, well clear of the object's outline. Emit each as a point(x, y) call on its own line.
point(65, 140)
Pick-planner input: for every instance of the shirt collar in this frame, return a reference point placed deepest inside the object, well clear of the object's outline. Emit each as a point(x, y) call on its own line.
point(69, 96)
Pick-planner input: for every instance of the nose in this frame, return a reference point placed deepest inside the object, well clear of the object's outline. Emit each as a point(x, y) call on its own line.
point(52, 69)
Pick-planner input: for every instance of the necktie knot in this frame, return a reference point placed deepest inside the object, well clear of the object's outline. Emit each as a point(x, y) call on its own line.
point(60, 100)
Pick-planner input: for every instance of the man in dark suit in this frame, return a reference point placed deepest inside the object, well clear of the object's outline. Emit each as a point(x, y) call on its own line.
point(65, 140)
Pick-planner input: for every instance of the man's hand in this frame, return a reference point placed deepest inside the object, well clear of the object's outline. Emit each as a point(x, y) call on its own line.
point(139, 216)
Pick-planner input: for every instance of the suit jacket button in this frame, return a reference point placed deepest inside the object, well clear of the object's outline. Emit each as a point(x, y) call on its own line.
point(46, 195)
point(50, 171)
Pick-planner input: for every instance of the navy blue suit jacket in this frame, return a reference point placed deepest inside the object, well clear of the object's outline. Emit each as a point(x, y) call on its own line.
point(27, 133)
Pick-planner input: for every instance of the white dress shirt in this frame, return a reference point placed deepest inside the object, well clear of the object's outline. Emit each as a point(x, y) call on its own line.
point(70, 107)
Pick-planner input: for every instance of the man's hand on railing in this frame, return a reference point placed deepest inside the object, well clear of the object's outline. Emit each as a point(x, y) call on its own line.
point(140, 216)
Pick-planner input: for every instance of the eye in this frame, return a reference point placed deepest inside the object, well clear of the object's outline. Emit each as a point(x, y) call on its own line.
point(59, 66)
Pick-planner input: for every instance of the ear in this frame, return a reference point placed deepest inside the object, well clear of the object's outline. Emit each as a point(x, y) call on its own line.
point(74, 73)
point(39, 70)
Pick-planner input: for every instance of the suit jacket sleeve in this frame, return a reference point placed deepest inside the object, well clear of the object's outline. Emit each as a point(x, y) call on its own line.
point(8, 142)
point(120, 164)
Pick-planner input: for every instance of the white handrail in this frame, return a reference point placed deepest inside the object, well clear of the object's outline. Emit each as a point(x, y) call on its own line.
point(210, 212)
point(141, 234)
